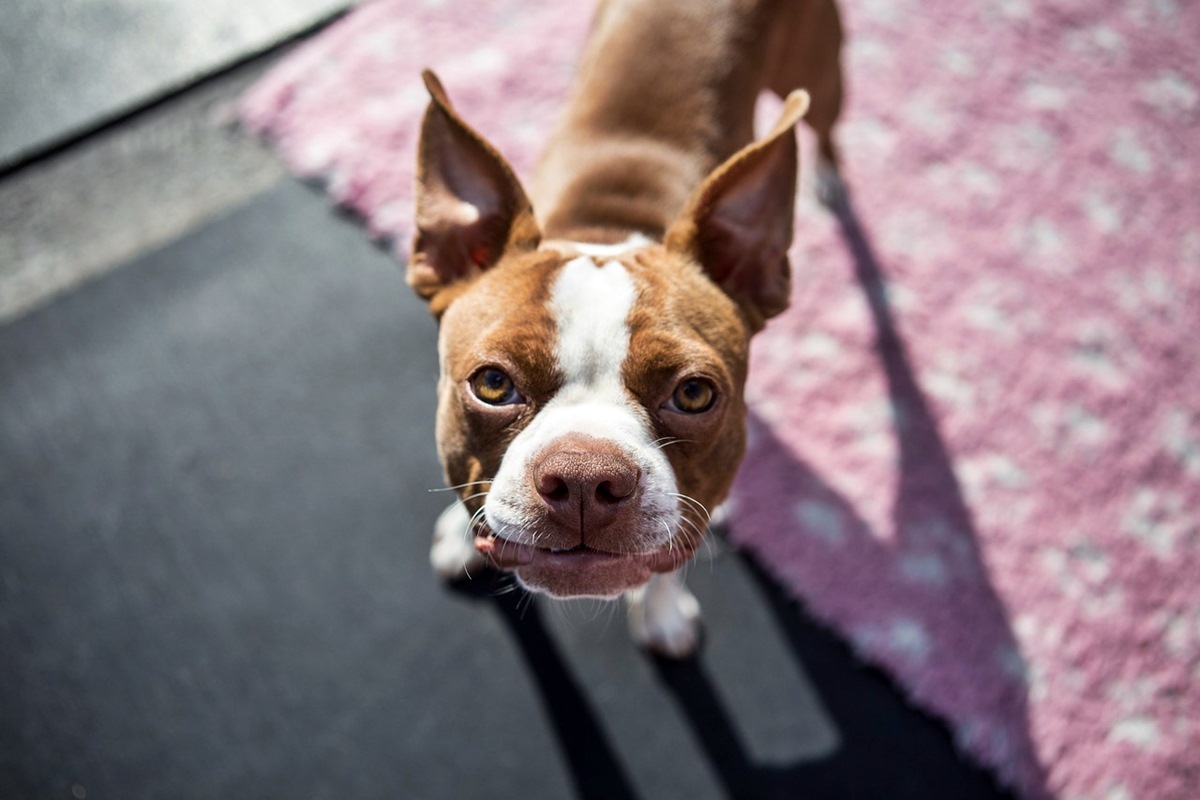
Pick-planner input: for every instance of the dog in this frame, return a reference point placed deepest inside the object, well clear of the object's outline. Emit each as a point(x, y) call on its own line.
point(594, 332)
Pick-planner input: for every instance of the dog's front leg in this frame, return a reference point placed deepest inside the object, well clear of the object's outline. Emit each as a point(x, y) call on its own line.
point(664, 616)
point(453, 553)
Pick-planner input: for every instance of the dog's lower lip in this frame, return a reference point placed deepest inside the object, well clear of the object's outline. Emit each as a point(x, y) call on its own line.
point(511, 555)
point(507, 553)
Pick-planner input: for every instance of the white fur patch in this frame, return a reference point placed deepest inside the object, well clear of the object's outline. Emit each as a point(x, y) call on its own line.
point(591, 306)
point(453, 554)
point(634, 243)
point(664, 616)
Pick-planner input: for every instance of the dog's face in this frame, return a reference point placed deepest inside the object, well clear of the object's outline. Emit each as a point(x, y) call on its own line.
point(590, 402)
point(601, 399)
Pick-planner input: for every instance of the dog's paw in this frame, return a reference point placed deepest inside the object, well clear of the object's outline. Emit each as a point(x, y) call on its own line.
point(664, 617)
point(718, 521)
point(831, 189)
point(453, 555)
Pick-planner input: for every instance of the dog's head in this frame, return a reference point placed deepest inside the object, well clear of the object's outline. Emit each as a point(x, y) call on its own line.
point(590, 402)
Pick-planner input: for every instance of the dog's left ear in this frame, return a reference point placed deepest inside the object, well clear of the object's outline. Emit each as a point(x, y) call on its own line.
point(738, 224)
point(470, 207)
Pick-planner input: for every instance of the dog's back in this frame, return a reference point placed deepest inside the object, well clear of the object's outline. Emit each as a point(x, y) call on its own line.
point(665, 92)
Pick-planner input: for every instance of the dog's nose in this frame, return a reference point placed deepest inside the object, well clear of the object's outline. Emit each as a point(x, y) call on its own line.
point(585, 484)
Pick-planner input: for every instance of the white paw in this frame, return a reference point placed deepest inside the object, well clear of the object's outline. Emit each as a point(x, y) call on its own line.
point(664, 617)
point(831, 189)
point(453, 555)
point(718, 521)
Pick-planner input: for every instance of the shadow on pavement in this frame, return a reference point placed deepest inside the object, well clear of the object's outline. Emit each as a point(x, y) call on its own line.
point(591, 760)
point(889, 750)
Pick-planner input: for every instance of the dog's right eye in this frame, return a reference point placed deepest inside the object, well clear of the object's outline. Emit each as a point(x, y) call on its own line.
point(494, 387)
point(693, 396)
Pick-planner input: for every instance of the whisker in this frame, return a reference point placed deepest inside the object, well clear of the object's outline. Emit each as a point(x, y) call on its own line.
point(473, 520)
point(468, 534)
point(702, 543)
point(708, 548)
point(525, 603)
point(690, 525)
point(694, 518)
point(507, 587)
point(694, 503)
point(458, 486)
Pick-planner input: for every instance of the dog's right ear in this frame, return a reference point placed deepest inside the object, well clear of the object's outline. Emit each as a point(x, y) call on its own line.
point(470, 207)
point(738, 224)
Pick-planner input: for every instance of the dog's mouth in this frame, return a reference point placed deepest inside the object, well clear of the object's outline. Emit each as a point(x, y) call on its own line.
point(579, 571)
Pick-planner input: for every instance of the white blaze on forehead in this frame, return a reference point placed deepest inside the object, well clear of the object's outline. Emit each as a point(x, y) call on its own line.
point(591, 307)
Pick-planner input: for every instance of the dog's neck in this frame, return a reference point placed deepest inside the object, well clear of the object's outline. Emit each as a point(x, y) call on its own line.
point(638, 137)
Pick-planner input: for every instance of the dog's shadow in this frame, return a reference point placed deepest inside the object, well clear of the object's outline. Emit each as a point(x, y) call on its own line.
point(888, 749)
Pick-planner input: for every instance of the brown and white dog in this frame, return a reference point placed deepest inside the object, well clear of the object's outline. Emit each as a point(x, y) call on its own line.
point(594, 332)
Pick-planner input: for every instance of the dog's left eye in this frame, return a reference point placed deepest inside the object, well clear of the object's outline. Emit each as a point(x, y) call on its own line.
point(693, 396)
point(494, 387)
